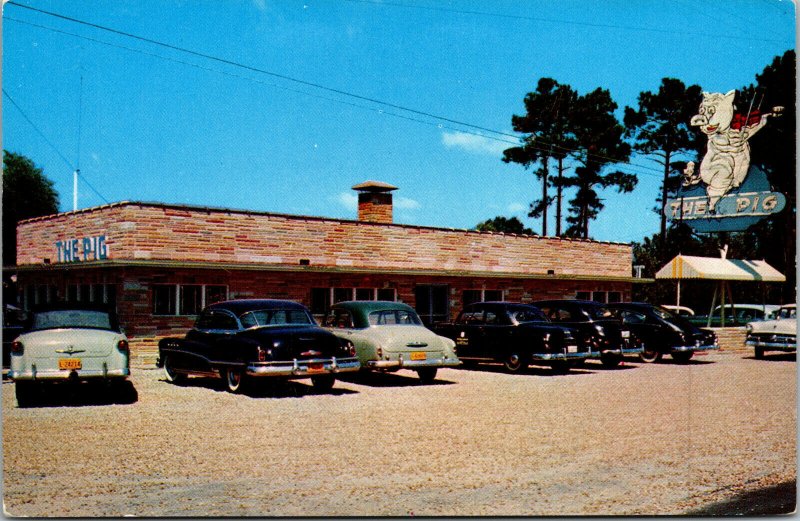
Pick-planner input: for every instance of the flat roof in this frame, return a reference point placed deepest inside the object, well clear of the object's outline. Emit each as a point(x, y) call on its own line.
point(217, 209)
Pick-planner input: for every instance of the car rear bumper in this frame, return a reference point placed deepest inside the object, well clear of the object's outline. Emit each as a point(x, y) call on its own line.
point(303, 368)
point(623, 351)
point(402, 363)
point(565, 356)
point(55, 374)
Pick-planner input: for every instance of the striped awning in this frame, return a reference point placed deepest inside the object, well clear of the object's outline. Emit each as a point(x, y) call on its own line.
point(711, 268)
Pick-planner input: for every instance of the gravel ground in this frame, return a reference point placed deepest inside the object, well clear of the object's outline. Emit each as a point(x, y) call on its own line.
point(640, 439)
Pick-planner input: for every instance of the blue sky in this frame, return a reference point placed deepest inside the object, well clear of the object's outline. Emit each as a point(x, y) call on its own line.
point(149, 123)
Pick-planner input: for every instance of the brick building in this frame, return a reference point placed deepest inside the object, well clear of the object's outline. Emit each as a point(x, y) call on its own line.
point(161, 263)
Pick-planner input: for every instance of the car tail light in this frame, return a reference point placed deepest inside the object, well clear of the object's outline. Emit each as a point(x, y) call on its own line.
point(123, 347)
point(351, 349)
point(262, 355)
point(17, 348)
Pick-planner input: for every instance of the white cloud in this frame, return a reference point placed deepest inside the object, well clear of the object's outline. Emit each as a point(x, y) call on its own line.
point(473, 143)
point(405, 203)
point(349, 200)
point(515, 207)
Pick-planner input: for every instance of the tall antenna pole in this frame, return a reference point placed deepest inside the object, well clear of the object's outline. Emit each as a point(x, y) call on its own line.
point(78, 162)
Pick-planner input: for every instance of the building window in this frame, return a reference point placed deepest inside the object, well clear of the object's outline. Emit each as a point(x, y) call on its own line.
point(164, 299)
point(365, 294)
point(583, 295)
point(320, 301)
point(342, 294)
point(191, 299)
point(389, 294)
point(600, 296)
point(614, 296)
point(431, 303)
point(215, 294)
point(185, 299)
point(470, 296)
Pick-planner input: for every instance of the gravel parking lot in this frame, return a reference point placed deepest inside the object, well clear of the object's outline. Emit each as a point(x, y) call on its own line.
point(640, 439)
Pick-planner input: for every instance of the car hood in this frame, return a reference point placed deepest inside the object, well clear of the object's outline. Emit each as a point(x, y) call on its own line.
point(82, 343)
point(403, 338)
point(786, 326)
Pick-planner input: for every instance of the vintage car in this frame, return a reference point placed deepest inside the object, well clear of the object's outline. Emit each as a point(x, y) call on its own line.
point(736, 315)
point(515, 335)
point(663, 332)
point(681, 311)
point(68, 343)
point(389, 336)
point(240, 340)
point(13, 323)
point(595, 327)
point(779, 334)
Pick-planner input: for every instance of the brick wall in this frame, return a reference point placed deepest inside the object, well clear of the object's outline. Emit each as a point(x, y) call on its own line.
point(135, 231)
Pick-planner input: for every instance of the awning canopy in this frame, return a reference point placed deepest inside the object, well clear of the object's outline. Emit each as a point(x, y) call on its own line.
point(710, 268)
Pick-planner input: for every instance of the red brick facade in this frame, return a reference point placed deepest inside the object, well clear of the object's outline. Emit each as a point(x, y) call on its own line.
point(132, 247)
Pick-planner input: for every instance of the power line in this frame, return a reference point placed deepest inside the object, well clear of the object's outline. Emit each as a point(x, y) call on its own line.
point(55, 149)
point(308, 83)
point(715, 35)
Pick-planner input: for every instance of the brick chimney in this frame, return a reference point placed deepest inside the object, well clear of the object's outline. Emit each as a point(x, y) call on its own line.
point(375, 201)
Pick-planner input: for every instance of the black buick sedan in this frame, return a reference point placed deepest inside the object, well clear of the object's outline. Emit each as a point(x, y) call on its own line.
point(663, 332)
point(240, 340)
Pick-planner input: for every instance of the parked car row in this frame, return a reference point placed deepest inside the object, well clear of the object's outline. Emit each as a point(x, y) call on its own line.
point(244, 341)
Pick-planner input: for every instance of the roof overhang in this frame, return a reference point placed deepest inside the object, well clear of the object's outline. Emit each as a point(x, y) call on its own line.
point(684, 267)
point(105, 264)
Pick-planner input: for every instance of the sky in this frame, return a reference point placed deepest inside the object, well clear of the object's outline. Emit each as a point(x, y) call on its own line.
point(283, 105)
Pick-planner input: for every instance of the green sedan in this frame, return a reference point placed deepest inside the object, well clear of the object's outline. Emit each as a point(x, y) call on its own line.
point(389, 336)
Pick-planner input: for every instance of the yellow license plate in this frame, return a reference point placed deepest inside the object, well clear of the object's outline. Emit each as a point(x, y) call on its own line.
point(418, 356)
point(315, 368)
point(462, 341)
point(69, 363)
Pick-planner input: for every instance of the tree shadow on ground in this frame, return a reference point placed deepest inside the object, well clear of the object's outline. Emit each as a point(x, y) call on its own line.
point(379, 379)
point(264, 388)
point(775, 500)
point(83, 394)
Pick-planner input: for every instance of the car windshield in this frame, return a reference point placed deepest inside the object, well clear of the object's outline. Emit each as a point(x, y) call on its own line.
point(527, 315)
point(391, 317)
point(596, 312)
point(71, 318)
point(274, 317)
point(672, 318)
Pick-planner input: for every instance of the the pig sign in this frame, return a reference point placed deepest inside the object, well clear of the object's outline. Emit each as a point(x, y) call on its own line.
point(726, 194)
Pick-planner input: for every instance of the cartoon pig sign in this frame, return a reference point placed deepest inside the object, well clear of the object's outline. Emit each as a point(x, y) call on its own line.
point(727, 159)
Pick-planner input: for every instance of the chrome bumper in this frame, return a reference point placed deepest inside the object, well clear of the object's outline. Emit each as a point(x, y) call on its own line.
point(401, 363)
point(63, 374)
point(686, 349)
point(778, 346)
point(300, 368)
point(624, 351)
point(565, 356)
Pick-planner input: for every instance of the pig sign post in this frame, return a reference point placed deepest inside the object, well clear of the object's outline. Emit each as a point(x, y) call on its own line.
point(727, 193)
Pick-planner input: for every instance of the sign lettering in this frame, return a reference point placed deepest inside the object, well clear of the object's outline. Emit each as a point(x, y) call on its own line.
point(82, 250)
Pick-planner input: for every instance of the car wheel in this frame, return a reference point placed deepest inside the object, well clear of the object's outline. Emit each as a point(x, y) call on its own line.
point(234, 378)
point(649, 356)
point(682, 357)
point(513, 363)
point(170, 374)
point(561, 366)
point(427, 374)
point(759, 353)
point(610, 359)
point(323, 383)
point(27, 393)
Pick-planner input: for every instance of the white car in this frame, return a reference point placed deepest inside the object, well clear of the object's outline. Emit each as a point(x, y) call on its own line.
point(681, 311)
point(70, 344)
point(779, 334)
